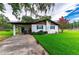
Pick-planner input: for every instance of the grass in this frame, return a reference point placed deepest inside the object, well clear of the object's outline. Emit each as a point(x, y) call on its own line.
point(5, 34)
point(66, 43)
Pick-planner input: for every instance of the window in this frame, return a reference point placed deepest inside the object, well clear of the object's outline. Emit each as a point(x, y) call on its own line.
point(52, 27)
point(39, 26)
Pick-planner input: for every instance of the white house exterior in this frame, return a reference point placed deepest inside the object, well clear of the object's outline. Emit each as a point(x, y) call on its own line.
point(49, 28)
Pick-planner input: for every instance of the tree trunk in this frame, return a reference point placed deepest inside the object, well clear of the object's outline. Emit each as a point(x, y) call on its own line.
point(62, 31)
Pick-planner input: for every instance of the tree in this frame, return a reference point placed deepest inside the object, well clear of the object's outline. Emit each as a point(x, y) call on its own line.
point(16, 9)
point(44, 7)
point(33, 8)
point(78, 24)
point(2, 8)
point(45, 18)
point(75, 24)
point(63, 23)
point(27, 19)
point(4, 19)
point(3, 22)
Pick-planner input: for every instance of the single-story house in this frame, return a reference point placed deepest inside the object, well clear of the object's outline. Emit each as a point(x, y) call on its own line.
point(48, 26)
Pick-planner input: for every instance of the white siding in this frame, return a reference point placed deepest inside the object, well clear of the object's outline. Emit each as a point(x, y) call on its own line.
point(34, 28)
point(45, 28)
point(53, 30)
point(56, 28)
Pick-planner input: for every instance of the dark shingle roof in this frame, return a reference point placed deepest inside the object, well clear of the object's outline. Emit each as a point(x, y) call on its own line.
point(33, 22)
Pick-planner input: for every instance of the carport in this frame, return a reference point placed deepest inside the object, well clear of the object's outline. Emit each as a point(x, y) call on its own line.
point(25, 28)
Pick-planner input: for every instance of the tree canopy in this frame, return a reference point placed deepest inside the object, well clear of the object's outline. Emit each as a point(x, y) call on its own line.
point(33, 8)
point(2, 8)
point(27, 19)
point(63, 23)
point(3, 22)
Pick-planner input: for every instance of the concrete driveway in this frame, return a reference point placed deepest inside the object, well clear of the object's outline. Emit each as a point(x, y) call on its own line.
point(21, 45)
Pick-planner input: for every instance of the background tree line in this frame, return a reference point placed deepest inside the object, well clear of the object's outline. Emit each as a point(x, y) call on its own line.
point(74, 25)
point(67, 24)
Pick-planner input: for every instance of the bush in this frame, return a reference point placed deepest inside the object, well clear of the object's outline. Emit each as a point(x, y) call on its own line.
point(40, 32)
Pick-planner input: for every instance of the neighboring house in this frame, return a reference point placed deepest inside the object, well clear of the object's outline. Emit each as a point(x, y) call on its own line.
point(48, 26)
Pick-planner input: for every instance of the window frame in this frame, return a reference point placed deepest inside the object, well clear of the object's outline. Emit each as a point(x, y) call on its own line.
point(39, 26)
point(52, 26)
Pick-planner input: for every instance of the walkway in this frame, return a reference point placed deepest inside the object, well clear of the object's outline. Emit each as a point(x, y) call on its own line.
point(21, 45)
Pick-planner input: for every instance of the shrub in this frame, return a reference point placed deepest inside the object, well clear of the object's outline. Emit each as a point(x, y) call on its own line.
point(40, 32)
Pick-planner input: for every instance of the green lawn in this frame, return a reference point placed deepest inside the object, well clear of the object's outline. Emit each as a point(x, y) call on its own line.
point(59, 44)
point(5, 34)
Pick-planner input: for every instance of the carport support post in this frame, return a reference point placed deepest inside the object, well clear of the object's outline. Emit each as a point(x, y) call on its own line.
point(14, 30)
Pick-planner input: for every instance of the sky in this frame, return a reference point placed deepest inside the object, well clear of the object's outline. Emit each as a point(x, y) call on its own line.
point(61, 9)
point(69, 10)
point(73, 14)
